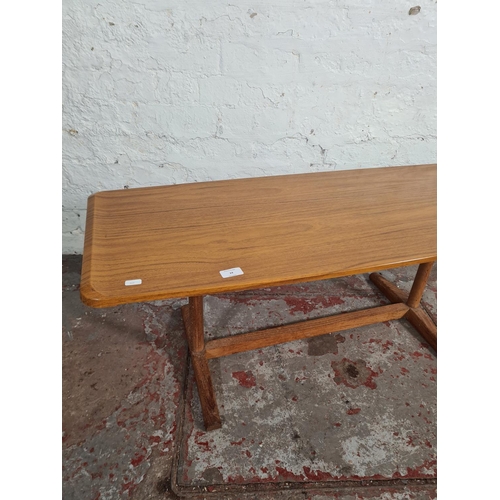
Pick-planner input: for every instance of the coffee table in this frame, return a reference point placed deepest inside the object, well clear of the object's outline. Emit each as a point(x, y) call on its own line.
point(204, 238)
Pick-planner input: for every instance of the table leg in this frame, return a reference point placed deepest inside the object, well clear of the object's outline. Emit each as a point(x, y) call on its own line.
point(194, 326)
point(415, 315)
point(419, 283)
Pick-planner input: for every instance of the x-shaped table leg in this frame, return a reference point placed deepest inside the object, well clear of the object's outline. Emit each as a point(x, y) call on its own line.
point(415, 315)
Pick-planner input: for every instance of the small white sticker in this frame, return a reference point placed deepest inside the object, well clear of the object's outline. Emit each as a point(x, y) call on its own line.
point(229, 273)
point(133, 282)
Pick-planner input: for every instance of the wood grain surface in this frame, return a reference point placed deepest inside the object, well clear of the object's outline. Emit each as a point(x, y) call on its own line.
point(278, 230)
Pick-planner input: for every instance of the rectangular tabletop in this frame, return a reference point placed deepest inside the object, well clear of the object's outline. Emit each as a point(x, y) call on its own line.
point(278, 230)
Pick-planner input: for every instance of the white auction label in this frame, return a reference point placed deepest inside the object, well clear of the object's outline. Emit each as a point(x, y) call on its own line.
point(229, 273)
point(133, 282)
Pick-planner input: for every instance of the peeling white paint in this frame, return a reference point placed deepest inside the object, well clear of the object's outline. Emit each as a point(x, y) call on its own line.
point(161, 93)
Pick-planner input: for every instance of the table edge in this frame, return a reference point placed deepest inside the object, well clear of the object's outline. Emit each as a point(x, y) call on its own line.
point(93, 298)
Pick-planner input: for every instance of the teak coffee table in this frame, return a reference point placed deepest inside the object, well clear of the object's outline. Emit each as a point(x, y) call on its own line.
point(204, 238)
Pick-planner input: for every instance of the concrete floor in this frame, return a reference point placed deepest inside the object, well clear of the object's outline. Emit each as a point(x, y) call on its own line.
point(348, 416)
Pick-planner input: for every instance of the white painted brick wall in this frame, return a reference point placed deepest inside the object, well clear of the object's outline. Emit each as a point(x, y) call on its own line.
point(164, 92)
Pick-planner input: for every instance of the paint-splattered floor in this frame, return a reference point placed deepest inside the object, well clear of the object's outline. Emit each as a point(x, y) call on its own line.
point(349, 415)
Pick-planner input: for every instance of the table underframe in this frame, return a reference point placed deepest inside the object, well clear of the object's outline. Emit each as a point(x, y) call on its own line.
point(402, 305)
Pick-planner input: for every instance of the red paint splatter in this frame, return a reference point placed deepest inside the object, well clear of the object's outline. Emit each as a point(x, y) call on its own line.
point(238, 442)
point(353, 411)
point(295, 398)
point(245, 379)
point(165, 447)
point(137, 460)
point(236, 479)
point(283, 474)
point(410, 441)
point(417, 472)
point(385, 345)
point(404, 370)
point(247, 453)
point(317, 475)
point(305, 306)
point(287, 475)
point(128, 486)
point(202, 444)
